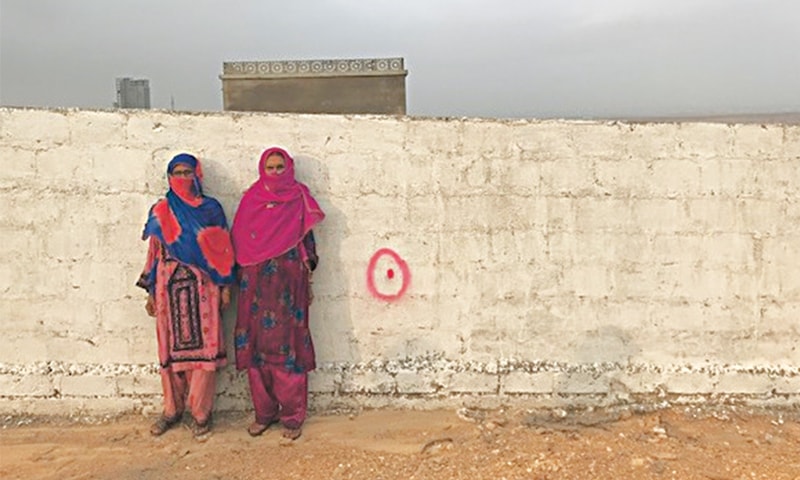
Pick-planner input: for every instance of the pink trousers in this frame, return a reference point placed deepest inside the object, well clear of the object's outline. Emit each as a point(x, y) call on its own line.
point(278, 395)
point(192, 389)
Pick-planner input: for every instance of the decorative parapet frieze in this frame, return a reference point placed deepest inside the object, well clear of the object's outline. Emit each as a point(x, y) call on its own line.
point(315, 68)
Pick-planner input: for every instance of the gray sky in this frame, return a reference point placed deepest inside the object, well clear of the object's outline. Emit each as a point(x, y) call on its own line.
point(477, 58)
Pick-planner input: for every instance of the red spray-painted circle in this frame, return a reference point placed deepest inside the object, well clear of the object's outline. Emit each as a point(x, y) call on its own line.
point(404, 271)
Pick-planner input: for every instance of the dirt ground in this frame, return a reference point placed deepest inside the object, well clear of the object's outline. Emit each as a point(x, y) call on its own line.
point(683, 443)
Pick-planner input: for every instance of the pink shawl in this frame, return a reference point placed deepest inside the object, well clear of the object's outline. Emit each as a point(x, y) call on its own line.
point(275, 213)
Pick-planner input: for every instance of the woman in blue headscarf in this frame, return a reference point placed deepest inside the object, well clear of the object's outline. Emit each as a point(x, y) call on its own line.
point(187, 276)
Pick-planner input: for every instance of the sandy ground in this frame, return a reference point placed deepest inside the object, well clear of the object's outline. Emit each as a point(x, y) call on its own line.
point(685, 443)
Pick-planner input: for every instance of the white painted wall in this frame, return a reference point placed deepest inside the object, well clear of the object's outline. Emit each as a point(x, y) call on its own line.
point(550, 261)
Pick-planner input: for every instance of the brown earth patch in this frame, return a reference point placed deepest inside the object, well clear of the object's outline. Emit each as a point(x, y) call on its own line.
point(685, 443)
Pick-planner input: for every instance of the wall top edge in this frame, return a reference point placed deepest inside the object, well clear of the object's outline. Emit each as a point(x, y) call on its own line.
point(66, 110)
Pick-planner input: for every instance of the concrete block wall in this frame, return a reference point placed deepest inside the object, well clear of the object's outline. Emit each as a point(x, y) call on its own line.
point(549, 262)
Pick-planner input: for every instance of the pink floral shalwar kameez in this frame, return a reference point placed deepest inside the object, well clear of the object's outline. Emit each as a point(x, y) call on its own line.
point(276, 252)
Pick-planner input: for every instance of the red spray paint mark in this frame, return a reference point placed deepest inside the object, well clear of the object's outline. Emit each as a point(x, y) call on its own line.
point(404, 271)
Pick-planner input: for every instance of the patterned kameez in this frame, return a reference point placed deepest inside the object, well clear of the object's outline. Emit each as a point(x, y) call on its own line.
point(273, 342)
point(188, 329)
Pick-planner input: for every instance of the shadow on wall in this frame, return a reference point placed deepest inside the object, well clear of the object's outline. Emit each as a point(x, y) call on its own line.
point(221, 183)
point(330, 321)
point(218, 182)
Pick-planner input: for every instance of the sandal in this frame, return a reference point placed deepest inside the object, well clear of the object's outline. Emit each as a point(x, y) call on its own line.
point(292, 433)
point(199, 429)
point(163, 424)
point(255, 429)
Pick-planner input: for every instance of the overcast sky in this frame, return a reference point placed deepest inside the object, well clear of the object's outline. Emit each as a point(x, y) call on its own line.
point(476, 58)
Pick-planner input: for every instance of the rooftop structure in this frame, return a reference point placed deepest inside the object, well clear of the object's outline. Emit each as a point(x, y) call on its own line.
point(373, 85)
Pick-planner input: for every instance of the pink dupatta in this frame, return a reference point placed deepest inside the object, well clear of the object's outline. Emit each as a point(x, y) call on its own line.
point(275, 213)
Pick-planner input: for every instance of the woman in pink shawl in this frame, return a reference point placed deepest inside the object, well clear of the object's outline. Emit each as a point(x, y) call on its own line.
point(275, 249)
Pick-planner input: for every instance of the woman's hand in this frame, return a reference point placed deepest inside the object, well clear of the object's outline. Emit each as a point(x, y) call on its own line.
point(150, 306)
point(225, 297)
